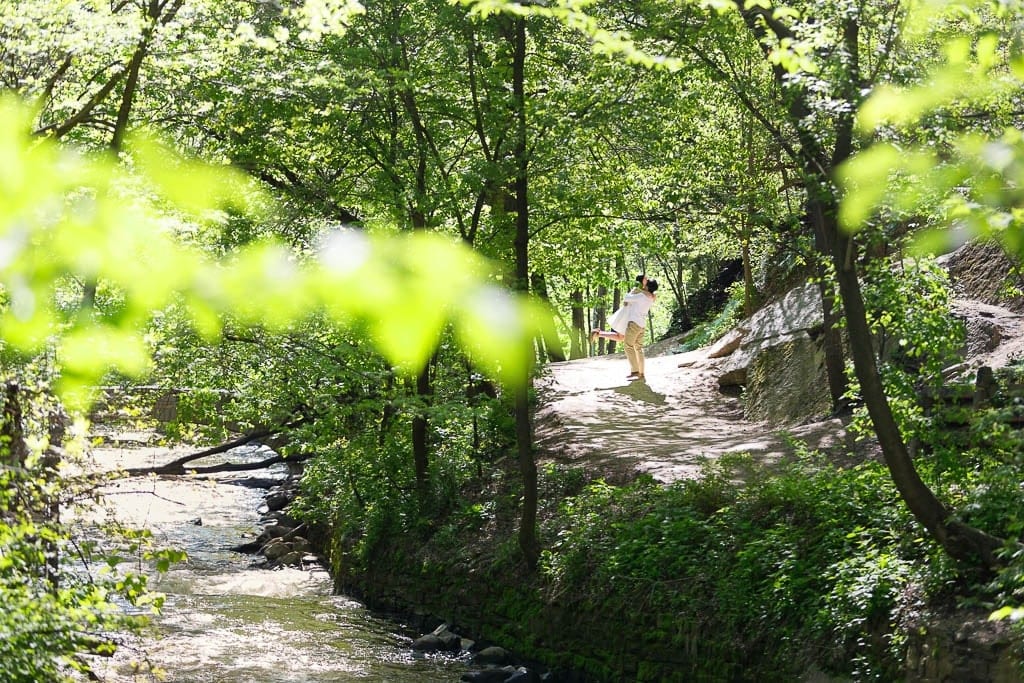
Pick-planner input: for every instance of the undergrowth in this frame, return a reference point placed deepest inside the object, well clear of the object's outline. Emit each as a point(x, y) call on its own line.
point(806, 564)
point(745, 573)
point(707, 331)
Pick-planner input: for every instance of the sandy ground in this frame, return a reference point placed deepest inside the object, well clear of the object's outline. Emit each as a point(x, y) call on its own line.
point(590, 415)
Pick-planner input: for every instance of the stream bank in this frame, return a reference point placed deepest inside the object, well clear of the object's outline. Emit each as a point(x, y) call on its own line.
point(659, 566)
point(749, 600)
point(227, 619)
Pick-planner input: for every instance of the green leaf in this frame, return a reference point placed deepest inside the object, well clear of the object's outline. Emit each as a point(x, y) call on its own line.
point(191, 186)
point(403, 290)
point(864, 179)
point(1012, 613)
point(987, 51)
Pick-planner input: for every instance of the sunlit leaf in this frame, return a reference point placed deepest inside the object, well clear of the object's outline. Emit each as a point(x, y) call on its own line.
point(191, 186)
point(939, 241)
point(1011, 613)
point(864, 179)
point(957, 50)
point(326, 17)
point(987, 51)
point(87, 350)
point(427, 278)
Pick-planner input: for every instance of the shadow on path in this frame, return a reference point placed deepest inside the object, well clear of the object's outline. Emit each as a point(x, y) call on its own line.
point(641, 391)
point(590, 416)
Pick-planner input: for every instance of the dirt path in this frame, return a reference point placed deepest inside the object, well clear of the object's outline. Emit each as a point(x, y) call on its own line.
point(590, 415)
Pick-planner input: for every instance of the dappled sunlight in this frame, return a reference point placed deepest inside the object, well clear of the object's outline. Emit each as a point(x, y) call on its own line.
point(665, 426)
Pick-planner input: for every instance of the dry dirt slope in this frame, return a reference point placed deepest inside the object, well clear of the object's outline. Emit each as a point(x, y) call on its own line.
point(591, 416)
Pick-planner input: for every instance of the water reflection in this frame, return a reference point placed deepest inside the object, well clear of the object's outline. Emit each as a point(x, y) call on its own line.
point(244, 638)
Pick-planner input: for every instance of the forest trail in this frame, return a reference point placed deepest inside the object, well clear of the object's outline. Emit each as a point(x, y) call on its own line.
point(591, 416)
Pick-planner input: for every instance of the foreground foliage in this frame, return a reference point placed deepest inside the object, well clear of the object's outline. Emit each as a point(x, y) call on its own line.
point(422, 119)
point(65, 596)
point(91, 253)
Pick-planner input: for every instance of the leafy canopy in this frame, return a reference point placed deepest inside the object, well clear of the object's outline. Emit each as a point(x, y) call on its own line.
point(68, 218)
point(974, 176)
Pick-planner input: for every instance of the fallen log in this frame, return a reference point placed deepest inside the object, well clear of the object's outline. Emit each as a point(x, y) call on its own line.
point(179, 466)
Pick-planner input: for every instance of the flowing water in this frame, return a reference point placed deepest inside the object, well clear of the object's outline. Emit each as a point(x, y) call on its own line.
point(226, 621)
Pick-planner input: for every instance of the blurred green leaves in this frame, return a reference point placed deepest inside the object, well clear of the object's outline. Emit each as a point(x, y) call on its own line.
point(69, 221)
point(968, 73)
point(926, 160)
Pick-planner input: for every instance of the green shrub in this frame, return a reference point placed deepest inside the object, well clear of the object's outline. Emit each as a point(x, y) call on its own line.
point(807, 563)
point(62, 598)
point(708, 331)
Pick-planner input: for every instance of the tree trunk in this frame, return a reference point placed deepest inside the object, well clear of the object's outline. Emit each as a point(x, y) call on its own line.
point(540, 289)
point(616, 302)
point(420, 441)
point(424, 387)
point(749, 292)
point(417, 209)
point(42, 503)
point(600, 316)
point(957, 539)
point(749, 295)
point(178, 466)
point(128, 96)
point(528, 542)
point(832, 339)
point(11, 434)
point(577, 346)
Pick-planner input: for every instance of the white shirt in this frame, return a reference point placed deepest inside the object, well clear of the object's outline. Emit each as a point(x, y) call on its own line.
point(638, 303)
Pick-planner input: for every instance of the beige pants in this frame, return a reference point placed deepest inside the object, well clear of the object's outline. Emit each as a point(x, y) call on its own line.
point(634, 344)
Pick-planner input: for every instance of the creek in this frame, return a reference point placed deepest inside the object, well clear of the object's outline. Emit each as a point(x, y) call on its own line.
point(228, 621)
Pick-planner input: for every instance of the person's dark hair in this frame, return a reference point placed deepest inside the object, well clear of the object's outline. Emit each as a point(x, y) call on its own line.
point(640, 278)
point(652, 285)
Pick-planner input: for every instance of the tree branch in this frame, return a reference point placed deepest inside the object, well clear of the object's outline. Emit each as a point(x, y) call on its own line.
point(178, 466)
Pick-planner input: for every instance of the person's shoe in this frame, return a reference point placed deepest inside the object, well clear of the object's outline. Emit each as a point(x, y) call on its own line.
point(593, 336)
point(633, 375)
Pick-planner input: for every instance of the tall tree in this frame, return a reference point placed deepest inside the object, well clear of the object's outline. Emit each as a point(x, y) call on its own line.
point(818, 60)
point(849, 79)
point(516, 35)
point(819, 92)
